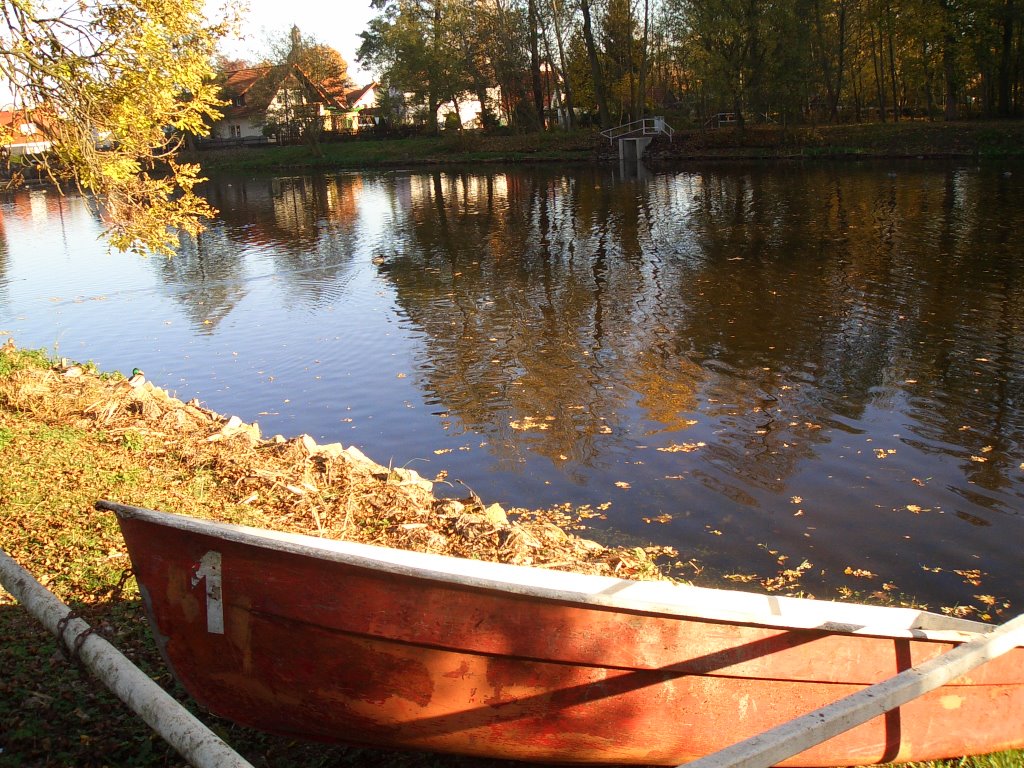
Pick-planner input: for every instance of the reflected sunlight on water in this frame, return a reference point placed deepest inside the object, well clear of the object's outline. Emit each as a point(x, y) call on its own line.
point(758, 367)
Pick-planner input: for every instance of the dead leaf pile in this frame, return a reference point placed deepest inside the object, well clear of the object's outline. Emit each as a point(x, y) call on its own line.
point(301, 486)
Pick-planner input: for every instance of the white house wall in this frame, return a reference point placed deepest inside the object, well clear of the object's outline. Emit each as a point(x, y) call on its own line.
point(246, 129)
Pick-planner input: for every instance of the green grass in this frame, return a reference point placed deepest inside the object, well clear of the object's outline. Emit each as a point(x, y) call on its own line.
point(446, 148)
point(29, 358)
point(1011, 759)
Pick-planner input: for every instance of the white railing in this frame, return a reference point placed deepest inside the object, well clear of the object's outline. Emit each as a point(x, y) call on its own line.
point(649, 126)
point(722, 118)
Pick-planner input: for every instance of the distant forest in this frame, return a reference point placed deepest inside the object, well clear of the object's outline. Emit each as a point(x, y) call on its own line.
point(788, 61)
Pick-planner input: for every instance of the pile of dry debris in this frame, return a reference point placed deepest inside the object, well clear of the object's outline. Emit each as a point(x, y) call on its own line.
point(300, 486)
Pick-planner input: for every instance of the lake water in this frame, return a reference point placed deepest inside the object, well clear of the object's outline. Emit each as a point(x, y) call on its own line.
point(760, 367)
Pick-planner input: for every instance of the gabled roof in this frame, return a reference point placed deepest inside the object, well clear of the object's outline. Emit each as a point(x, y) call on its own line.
point(23, 125)
point(353, 97)
point(331, 91)
point(237, 83)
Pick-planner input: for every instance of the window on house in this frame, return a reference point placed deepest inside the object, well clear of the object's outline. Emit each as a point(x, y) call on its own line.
point(27, 129)
point(236, 131)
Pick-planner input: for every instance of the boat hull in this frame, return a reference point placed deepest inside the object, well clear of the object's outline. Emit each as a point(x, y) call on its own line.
point(328, 649)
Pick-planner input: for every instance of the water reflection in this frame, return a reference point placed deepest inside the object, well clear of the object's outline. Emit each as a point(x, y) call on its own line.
point(755, 329)
point(820, 364)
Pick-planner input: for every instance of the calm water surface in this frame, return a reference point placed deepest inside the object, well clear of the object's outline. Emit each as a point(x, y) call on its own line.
point(761, 368)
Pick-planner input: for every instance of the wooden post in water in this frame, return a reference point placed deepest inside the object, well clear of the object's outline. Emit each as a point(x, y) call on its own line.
point(193, 740)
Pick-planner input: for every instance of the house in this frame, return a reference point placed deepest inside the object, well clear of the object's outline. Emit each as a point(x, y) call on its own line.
point(360, 111)
point(21, 134)
point(244, 116)
point(273, 102)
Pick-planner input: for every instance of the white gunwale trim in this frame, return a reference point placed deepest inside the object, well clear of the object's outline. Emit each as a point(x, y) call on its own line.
point(651, 597)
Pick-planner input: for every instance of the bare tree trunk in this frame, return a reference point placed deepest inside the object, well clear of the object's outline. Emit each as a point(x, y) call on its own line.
point(595, 66)
point(1005, 60)
point(892, 63)
point(841, 64)
point(877, 60)
point(433, 98)
point(570, 107)
point(949, 72)
point(641, 110)
point(538, 90)
point(558, 100)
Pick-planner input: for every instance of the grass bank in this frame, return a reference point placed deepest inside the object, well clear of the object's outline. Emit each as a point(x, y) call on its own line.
point(70, 435)
point(450, 148)
point(1004, 139)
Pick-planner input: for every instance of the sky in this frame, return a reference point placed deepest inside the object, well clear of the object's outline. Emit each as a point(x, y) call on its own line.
point(336, 23)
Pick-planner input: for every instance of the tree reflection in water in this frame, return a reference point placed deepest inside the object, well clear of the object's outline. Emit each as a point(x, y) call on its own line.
point(843, 349)
point(773, 366)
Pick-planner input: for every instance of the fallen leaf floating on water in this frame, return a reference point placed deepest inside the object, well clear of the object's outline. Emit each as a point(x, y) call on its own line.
point(915, 509)
point(884, 453)
point(796, 500)
point(971, 576)
point(682, 448)
point(621, 484)
point(959, 611)
point(860, 573)
point(743, 578)
point(662, 518)
point(530, 423)
point(988, 449)
point(979, 459)
point(441, 451)
point(786, 578)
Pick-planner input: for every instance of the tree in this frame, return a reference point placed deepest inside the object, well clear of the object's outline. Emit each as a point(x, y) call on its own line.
point(595, 66)
point(621, 63)
point(732, 35)
point(303, 75)
point(415, 45)
point(121, 82)
point(535, 82)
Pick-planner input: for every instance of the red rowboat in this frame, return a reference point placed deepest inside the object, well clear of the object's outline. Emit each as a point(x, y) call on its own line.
point(341, 642)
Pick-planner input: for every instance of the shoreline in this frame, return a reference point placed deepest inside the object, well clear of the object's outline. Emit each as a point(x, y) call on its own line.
point(981, 140)
point(70, 435)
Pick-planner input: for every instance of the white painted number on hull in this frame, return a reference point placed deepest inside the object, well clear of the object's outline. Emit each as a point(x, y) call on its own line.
point(208, 569)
